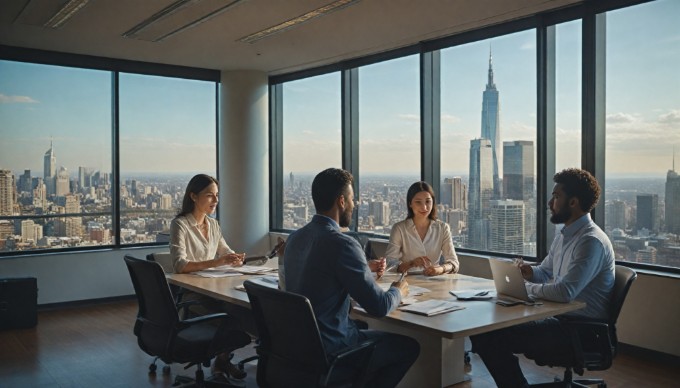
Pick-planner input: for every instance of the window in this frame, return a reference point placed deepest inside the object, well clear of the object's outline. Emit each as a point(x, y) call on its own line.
point(488, 136)
point(389, 138)
point(311, 141)
point(57, 185)
point(55, 157)
point(642, 133)
point(167, 135)
point(568, 95)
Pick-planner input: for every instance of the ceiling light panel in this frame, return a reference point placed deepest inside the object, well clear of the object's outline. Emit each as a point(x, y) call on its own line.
point(296, 21)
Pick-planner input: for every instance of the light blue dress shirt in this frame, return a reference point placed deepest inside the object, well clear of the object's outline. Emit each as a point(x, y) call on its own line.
point(579, 266)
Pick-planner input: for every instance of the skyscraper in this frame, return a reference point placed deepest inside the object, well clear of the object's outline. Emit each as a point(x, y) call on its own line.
point(648, 212)
point(672, 202)
point(6, 192)
point(62, 182)
point(507, 226)
point(50, 169)
point(491, 111)
point(454, 193)
point(518, 170)
point(380, 210)
point(480, 192)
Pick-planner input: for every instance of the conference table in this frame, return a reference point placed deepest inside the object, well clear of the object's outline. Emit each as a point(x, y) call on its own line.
point(441, 337)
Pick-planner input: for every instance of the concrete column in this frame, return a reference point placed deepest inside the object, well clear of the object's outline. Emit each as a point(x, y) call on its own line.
point(243, 165)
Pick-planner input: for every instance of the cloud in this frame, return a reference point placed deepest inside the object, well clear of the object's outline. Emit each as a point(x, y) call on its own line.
point(450, 119)
point(528, 46)
point(672, 117)
point(409, 117)
point(4, 99)
point(621, 118)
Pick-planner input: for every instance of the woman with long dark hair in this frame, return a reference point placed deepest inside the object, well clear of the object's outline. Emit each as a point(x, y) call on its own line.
point(422, 240)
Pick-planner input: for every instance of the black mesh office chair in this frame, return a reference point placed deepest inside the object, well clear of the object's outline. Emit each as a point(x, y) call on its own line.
point(291, 352)
point(160, 331)
point(594, 343)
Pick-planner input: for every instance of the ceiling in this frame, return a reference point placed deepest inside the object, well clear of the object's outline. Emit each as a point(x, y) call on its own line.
point(207, 33)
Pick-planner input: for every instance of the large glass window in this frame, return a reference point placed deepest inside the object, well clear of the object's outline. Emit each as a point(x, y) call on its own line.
point(389, 141)
point(568, 95)
point(643, 133)
point(167, 135)
point(55, 157)
point(311, 141)
point(488, 136)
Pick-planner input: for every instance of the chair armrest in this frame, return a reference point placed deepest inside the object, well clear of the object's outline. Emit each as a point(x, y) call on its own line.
point(203, 318)
point(356, 356)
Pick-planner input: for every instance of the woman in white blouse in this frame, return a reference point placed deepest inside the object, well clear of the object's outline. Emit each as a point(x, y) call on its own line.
point(196, 240)
point(421, 240)
point(196, 243)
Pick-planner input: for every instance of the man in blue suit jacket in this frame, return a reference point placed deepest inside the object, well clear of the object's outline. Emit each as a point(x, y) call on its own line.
point(328, 267)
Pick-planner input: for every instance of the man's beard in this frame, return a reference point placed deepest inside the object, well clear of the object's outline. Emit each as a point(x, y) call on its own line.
point(561, 217)
point(345, 218)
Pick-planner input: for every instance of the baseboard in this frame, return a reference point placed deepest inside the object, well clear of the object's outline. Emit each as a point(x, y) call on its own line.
point(83, 303)
point(649, 354)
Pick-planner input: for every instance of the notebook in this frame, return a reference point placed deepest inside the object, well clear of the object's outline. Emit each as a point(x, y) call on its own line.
point(509, 282)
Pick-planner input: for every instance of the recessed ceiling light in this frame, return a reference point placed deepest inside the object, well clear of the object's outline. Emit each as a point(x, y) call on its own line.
point(334, 6)
point(65, 13)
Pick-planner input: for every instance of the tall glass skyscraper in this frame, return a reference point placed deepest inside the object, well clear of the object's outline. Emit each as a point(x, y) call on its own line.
point(491, 110)
point(518, 170)
point(672, 201)
point(480, 192)
point(50, 170)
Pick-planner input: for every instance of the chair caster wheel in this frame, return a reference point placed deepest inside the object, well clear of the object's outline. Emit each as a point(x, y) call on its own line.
point(152, 368)
point(167, 370)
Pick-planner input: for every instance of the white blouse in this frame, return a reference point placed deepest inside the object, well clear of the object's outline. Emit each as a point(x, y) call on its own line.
point(405, 244)
point(187, 243)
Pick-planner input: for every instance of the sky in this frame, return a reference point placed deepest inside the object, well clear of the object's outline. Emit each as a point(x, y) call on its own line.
point(37, 104)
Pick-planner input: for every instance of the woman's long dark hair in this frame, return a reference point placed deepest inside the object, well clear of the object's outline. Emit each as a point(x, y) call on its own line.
point(196, 185)
point(415, 189)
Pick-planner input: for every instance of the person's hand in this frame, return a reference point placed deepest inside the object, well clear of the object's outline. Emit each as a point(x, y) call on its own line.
point(378, 266)
point(281, 246)
point(422, 261)
point(526, 269)
point(233, 259)
point(434, 270)
point(403, 287)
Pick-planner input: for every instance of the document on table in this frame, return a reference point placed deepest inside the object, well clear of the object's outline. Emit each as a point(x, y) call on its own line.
point(473, 294)
point(412, 290)
point(432, 307)
point(226, 270)
point(267, 281)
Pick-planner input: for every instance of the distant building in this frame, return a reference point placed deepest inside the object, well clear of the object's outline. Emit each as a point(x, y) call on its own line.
point(480, 192)
point(50, 170)
point(7, 192)
point(380, 210)
point(507, 226)
point(647, 212)
point(454, 193)
point(518, 170)
point(615, 215)
point(491, 129)
point(672, 201)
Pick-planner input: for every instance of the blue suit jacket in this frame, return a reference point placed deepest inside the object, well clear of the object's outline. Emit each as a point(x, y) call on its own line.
point(328, 267)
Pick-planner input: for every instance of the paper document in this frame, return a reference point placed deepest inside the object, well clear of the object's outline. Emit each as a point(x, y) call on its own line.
point(473, 294)
point(412, 290)
point(432, 307)
point(226, 270)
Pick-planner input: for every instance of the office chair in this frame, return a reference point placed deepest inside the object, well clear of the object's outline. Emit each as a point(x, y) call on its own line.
point(291, 352)
point(594, 343)
point(161, 333)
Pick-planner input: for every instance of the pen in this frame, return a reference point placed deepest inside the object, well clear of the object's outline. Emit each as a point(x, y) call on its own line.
point(402, 276)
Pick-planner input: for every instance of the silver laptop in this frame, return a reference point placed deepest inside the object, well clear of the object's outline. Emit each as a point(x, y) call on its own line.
point(509, 281)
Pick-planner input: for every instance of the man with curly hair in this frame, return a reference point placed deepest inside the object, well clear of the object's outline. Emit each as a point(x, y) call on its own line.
point(579, 266)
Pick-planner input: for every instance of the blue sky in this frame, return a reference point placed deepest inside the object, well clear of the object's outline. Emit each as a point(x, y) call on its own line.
point(643, 107)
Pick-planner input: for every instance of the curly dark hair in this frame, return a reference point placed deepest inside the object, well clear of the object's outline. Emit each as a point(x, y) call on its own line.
point(580, 184)
point(328, 185)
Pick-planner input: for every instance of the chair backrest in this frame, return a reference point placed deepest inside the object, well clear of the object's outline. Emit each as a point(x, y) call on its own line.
point(624, 278)
point(157, 318)
point(290, 342)
point(164, 259)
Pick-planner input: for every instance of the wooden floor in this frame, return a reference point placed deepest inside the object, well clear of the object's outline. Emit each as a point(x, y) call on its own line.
point(94, 346)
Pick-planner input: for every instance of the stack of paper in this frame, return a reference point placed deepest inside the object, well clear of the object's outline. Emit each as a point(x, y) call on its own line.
point(473, 294)
point(432, 307)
